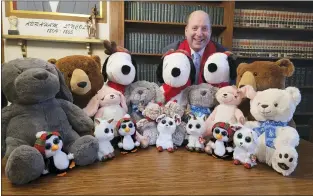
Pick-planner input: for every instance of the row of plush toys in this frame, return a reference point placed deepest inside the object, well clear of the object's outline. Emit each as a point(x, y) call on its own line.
point(64, 115)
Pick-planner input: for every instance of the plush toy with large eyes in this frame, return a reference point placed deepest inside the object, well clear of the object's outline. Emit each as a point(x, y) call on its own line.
point(176, 72)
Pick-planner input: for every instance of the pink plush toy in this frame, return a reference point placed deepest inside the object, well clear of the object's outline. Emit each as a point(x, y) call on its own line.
point(229, 98)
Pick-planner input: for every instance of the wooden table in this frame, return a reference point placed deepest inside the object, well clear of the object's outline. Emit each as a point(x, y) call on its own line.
point(150, 172)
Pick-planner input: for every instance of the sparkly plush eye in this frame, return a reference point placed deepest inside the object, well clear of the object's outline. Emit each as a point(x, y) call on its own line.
point(56, 140)
point(130, 125)
point(255, 73)
point(276, 104)
point(217, 131)
point(106, 130)
point(87, 72)
point(170, 123)
point(248, 139)
point(280, 156)
point(291, 159)
point(224, 133)
point(198, 126)
point(286, 156)
point(239, 136)
point(124, 126)
point(69, 75)
point(48, 146)
point(163, 121)
point(190, 126)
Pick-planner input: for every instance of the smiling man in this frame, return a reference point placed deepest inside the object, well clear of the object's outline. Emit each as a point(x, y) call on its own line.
point(197, 43)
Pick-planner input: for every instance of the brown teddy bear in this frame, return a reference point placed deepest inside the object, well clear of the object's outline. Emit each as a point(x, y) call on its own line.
point(82, 75)
point(262, 75)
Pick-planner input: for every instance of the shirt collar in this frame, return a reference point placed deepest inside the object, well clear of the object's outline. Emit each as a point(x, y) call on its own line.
point(200, 52)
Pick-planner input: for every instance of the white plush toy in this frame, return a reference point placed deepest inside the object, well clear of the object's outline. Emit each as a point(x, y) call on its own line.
point(245, 140)
point(104, 132)
point(166, 128)
point(195, 129)
point(273, 109)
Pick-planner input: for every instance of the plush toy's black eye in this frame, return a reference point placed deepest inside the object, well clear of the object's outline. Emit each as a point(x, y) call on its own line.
point(19, 72)
point(170, 123)
point(48, 146)
point(291, 159)
point(224, 133)
point(190, 126)
point(124, 126)
point(280, 155)
point(198, 126)
point(217, 131)
point(87, 72)
point(276, 104)
point(69, 75)
point(255, 73)
point(111, 130)
point(106, 130)
point(248, 139)
point(286, 156)
point(130, 125)
point(56, 140)
point(163, 121)
point(239, 136)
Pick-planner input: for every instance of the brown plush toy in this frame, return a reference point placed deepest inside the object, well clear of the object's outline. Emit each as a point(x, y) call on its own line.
point(82, 75)
point(262, 75)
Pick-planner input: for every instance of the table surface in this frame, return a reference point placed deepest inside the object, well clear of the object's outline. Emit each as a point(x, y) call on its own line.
point(150, 172)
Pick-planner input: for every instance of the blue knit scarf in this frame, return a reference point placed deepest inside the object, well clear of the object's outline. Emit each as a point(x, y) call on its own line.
point(199, 111)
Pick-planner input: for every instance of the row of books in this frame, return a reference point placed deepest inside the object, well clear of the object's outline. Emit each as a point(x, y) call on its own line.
point(273, 19)
point(306, 103)
point(147, 72)
point(153, 43)
point(303, 76)
point(169, 12)
point(272, 48)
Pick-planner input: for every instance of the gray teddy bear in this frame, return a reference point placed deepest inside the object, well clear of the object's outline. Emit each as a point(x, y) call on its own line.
point(40, 102)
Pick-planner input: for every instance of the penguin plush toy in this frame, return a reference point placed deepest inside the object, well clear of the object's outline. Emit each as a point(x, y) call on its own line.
point(50, 144)
point(126, 128)
point(221, 143)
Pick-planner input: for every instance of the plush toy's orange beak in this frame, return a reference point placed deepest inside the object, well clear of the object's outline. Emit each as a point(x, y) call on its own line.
point(219, 136)
point(55, 147)
point(127, 129)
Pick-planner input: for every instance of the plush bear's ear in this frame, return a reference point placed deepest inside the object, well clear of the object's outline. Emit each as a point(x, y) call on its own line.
point(177, 119)
point(295, 94)
point(159, 72)
point(135, 65)
point(286, 67)
point(52, 61)
point(104, 69)
point(159, 96)
point(64, 92)
point(192, 72)
point(97, 59)
point(159, 118)
point(232, 66)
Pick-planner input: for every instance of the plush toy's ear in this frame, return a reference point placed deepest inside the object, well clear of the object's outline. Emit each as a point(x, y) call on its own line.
point(64, 92)
point(295, 94)
point(104, 69)
point(123, 102)
point(97, 59)
point(159, 72)
point(111, 120)
point(159, 96)
point(127, 93)
point(232, 66)
point(97, 121)
point(185, 95)
point(135, 65)
point(204, 117)
point(286, 67)
point(248, 91)
point(159, 118)
point(52, 61)
point(177, 119)
point(192, 72)
point(255, 136)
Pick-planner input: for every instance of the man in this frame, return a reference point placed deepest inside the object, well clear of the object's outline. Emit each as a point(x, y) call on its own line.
point(197, 43)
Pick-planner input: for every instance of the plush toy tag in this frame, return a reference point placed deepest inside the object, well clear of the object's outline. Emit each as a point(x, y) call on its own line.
point(201, 140)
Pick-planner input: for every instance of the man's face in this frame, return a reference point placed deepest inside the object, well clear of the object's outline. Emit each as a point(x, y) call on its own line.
point(198, 31)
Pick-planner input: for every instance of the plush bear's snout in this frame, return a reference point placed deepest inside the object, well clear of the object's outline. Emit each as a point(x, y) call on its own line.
point(140, 92)
point(264, 106)
point(82, 84)
point(40, 75)
point(125, 69)
point(203, 93)
point(175, 72)
point(112, 96)
point(212, 67)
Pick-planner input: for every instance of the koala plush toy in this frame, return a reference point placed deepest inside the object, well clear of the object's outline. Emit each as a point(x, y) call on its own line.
point(273, 109)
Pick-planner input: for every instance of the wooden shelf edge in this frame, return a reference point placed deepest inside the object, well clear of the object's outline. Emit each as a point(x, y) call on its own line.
point(52, 39)
point(273, 28)
point(167, 23)
point(146, 54)
point(274, 58)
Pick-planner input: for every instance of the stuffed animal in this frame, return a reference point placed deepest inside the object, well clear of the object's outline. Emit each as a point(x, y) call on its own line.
point(229, 98)
point(273, 109)
point(33, 110)
point(195, 129)
point(221, 144)
point(104, 134)
point(50, 145)
point(127, 130)
point(82, 75)
point(220, 69)
point(139, 94)
point(262, 75)
point(245, 141)
point(166, 128)
point(175, 72)
point(199, 99)
point(119, 68)
point(147, 126)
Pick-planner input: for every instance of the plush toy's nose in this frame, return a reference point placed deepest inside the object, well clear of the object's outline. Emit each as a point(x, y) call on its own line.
point(125, 69)
point(240, 143)
point(203, 93)
point(212, 67)
point(175, 72)
point(225, 95)
point(82, 84)
point(112, 96)
point(264, 106)
point(139, 92)
point(241, 86)
point(40, 75)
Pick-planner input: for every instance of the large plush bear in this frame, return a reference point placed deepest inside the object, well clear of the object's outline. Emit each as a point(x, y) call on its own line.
point(262, 75)
point(82, 75)
point(40, 101)
point(273, 109)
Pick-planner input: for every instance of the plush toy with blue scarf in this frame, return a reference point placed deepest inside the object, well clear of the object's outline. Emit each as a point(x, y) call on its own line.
point(273, 108)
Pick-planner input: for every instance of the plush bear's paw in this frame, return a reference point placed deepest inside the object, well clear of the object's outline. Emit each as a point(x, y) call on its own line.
point(285, 160)
point(120, 145)
point(85, 150)
point(70, 156)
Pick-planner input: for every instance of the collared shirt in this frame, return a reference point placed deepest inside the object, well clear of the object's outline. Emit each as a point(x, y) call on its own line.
point(197, 67)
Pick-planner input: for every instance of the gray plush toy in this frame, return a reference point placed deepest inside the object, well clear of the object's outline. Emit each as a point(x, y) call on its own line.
point(139, 94)
point(40, 102)
point(199, 99)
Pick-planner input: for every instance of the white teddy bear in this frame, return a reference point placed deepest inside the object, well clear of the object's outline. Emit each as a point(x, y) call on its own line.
point(273, 109)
